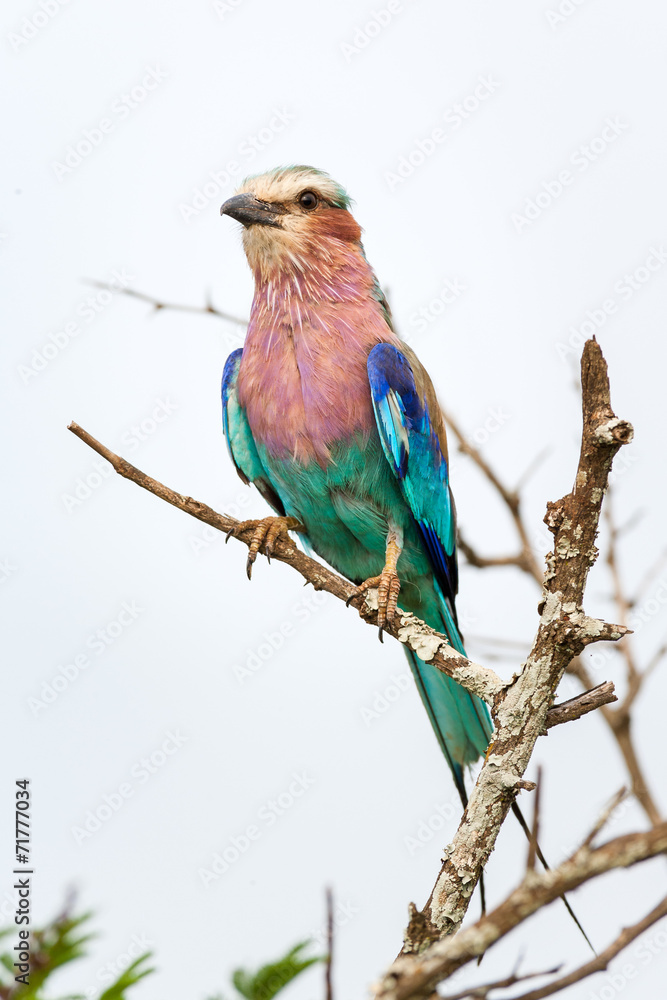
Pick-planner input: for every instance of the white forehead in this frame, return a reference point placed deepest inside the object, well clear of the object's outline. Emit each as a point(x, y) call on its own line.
point(286, 184)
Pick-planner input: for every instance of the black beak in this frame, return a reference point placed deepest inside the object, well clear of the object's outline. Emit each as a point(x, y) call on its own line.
point(248, 210)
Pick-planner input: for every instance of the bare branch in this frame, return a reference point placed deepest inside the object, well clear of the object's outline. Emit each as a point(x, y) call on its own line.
point(656, 659)
point(601, 962)
point(653, 571)
point(622, 604)
point(605, 816)
point(485, 562)
point(531, 469)
point(328, 984)
point(617, 719)
point(482, 992)
point(415, 977)
point(621, 726)
point(158, 304)
point(533, 843)
point(574, 708)
point(525, 558)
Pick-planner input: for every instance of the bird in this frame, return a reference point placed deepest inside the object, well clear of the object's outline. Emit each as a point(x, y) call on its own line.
point(336, 422)
point(334, 419)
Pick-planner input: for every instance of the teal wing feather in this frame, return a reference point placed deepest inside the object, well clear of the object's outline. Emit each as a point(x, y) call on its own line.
point(240, 442)
point(413, 439)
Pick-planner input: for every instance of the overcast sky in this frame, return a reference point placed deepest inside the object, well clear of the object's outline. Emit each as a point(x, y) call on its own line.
point(507, 163)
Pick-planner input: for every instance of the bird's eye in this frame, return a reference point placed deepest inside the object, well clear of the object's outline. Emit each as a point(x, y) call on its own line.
point(308, 200)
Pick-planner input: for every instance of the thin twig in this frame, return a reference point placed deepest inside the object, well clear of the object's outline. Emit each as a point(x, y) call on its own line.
point(525, 558)
point(330, 947)
point(654, 569)
point(158, 304)
point(605, 816)
point(533, 842)
point(601, 962)
point(482, 992)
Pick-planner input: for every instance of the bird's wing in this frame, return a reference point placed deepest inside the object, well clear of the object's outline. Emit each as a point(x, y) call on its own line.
point(240, 442)
point(412, 432)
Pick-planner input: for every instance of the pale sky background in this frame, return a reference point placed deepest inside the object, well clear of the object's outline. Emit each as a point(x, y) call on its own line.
point(296, 76)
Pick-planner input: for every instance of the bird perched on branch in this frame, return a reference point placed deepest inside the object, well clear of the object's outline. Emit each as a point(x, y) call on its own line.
point(337, 423)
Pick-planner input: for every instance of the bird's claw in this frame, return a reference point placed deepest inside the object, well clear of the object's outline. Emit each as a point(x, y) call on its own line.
point(388, 588)
point(265, 533)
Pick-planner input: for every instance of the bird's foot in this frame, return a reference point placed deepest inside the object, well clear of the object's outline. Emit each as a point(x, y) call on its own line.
point(265, 534)
point(388, 588)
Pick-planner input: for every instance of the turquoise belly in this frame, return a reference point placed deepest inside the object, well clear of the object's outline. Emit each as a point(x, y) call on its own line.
point(347, 509)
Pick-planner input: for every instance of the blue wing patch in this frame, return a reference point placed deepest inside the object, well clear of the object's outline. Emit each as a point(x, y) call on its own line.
point(414, 452)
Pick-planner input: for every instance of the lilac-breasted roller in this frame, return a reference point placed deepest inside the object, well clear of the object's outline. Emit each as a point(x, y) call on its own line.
point(336, 422)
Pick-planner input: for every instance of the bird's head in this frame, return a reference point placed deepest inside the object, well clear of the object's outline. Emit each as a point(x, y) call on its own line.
point(293, 218)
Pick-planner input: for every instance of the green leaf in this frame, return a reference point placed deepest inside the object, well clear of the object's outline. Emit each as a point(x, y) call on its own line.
point(56, 944)
point(128, 978)
point(271, 979)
